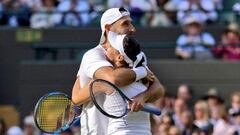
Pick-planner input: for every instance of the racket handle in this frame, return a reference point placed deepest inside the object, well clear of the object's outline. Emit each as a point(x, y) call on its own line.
point(150, 109)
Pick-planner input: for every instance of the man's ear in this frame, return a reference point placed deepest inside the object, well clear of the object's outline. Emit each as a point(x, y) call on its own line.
point(107, 27)
point(120, 57)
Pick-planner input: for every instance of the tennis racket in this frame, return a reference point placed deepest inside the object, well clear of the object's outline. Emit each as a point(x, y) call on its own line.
point(111, 101)
point(55, 113)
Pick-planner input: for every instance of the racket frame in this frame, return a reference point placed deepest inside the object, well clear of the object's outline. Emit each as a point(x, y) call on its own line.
point(62, 129)
point(146, 108)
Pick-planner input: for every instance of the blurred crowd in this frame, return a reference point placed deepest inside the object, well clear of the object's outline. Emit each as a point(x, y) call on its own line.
point(208, 115)
point(29, 128)
point(195, 43)
point(80, 13)
point(183, 113)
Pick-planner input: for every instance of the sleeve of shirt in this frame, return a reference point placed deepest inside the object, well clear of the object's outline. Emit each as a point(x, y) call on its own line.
point(207, 38)
point(182, 40)
point(93, 60)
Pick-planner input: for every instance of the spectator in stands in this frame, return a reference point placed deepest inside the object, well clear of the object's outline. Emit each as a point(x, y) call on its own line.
point(174, 130)
point(194, 43)
point(15, 13)
point(236, 116)
point(187, 121)
point(118, 3)
point(29, 127)
point(202, 117)
point(185, 92)
point(218, 4)
point(179, 107)
point(229, 47)
point(213, 99)
point(34, 5)
point(46, 16)
point(166, 105)
point(159, 18)
point(15, 130)
point(235, 102)
point(75, 13)
point(236, 10)
point(3, 127)
point(223, 125)
point(163, 127)
point(202, 9)
point(138, 8)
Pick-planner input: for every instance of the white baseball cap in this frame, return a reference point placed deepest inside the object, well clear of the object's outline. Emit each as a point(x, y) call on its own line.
point(109, 17)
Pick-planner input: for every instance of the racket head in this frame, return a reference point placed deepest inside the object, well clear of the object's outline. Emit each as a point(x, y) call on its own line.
point(54, 112)
point(108, 99)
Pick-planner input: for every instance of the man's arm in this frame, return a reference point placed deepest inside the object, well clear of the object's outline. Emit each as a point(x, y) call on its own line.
point(154, 92)
point(80, 95)
point(119, 77)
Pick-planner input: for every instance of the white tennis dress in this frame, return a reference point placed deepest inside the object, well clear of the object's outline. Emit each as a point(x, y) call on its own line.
point(93, 122)
point(135, 123)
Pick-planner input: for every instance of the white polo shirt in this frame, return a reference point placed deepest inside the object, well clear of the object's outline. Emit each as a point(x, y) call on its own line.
point(93, 122)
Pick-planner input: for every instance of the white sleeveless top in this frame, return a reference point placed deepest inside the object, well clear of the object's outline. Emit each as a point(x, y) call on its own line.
point(134, 123)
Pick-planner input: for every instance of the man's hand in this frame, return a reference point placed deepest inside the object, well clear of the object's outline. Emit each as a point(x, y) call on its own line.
point(150, 75)
point(137, 103)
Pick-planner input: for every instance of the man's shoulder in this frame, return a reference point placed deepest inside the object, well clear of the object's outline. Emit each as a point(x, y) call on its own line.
point(98, 50)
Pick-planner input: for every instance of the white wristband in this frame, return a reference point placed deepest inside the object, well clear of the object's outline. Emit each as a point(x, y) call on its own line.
point(140, 72)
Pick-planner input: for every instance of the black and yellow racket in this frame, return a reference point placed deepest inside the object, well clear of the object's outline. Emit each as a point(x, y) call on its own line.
point(55, 113)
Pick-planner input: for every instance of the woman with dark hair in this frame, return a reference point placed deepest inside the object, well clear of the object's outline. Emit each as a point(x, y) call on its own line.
point(126, 52)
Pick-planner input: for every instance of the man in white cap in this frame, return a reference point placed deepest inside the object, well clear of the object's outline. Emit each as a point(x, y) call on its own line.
point(95, 65)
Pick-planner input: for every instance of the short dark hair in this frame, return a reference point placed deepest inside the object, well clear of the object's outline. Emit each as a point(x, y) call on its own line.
point(132, 48)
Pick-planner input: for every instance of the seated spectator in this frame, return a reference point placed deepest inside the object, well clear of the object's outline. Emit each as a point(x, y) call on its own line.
point(174, 130)
point(15, 13)
point(236, 8)
point(179, 107)
point(138, 8)
point(45, 17)
point(236, 116)
point(218, 4)
point(185, 92)
point(213, 100)
point(202, 9)
point(187, 121)
point(34, 5)
point(164, 18)
point(166, 105)
point(15, 130)
point(223, 125)
point(163, 127)
point(235, 105)
point(29, 127)
point(118, 3)
point(194, 43)
point(229, 47)
point(75, 13)
point(202, 117)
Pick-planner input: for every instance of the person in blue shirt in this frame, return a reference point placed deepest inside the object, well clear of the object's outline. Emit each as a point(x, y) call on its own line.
point(194, 43)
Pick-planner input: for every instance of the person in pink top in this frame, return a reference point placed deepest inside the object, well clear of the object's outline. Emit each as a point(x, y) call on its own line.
point(229, 47)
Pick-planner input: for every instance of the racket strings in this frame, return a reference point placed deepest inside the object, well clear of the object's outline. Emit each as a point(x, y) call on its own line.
point(53, 112)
